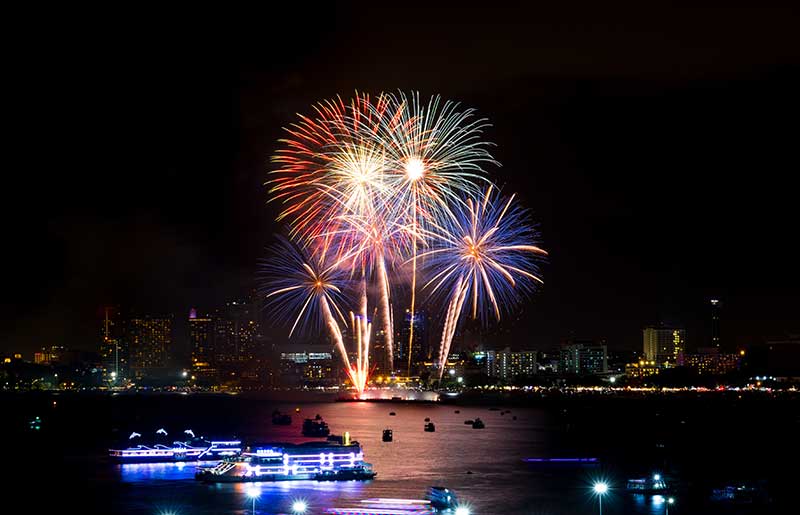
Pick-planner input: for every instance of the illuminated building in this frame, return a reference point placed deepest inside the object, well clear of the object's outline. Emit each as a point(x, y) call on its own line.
point(307, 365)
point(149, 343)
point(420, 350)
point(664, 344)
point(709, 361)
point(377, 352)
point(715, 307)
point(113, 346)
point(49, 355)
point(507, 364)
point(642, 368)
point(584, 358)
point(201, 341)
point(236, 330)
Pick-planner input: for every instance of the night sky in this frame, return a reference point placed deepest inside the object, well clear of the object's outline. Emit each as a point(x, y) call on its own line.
point(658, 150)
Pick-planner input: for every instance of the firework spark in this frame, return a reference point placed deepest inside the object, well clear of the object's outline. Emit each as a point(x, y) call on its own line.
point(435, 153)
point(486, 256)
point(302, 285)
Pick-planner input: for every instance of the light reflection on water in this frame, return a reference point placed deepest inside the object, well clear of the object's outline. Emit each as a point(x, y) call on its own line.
point(484, 467)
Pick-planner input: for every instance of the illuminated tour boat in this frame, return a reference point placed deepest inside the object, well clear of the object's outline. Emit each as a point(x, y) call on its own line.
point(191, 449)
point(322, 461)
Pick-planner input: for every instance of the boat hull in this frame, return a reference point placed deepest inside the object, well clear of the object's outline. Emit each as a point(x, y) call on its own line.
point(208, 477)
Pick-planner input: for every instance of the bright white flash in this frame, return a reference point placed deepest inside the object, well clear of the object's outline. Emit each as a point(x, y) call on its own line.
point(414, 169)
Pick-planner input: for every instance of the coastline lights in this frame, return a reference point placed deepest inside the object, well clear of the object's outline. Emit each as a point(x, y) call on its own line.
point(299, 507)
point(600, 488)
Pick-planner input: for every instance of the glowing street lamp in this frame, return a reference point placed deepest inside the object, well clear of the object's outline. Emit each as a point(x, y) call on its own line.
point(462, 510)
point(253, 493)
point(670, 501)
point(299, 507)
point(600, 489)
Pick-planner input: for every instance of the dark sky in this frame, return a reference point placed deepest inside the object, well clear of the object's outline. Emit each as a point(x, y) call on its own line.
point(658, 149)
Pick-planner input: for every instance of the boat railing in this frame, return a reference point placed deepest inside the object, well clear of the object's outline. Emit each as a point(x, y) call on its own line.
point(205, 451)
point(222, 467)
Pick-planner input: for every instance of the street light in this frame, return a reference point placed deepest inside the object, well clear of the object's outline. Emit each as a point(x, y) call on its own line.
point(671, 500)
point(462, 510)
point(299, 507)
point(253, 493)
point(600, 489)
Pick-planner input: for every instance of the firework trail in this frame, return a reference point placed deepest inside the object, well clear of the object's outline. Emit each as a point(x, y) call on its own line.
point(296, 283)
point(486, 253)
point(435, 154)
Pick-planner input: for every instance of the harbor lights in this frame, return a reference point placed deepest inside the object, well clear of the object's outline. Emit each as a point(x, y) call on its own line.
point(670, 501)
point(600, 489)
point(253, 493)
point(299, 507)
point(462, 510)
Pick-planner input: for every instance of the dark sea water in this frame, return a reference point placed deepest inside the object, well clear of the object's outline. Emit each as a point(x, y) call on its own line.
point(63, 467)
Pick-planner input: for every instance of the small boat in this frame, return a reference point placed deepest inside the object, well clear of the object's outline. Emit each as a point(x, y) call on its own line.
point(458, 411)
point(395, 398)
point(442, 498)
point(437, 500)
point(744, 492)
point(494, 409)
point(316, 427)
point(392, 413)
point(387, 435)
point(469, 422)
point(430, 428)
point(478, 424)
point(647, 485)
point(427, 419)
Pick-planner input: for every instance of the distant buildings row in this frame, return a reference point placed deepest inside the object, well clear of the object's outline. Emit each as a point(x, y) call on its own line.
point(134, 347)
point(227, 346)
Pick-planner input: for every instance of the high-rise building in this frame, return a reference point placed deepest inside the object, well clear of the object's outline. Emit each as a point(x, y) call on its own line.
point(236, 330)
point(715, 307)
point(594, 359)
point(307, 365)
point(664, 344)
point(201, 341)
point(507, 364)
point(377, 352)
point(113, 345)
point(584, 358)
point(149, 343)
point(420, 350)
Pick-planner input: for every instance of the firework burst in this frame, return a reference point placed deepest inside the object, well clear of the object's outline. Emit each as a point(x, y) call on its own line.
point(484, 257)
point(387, 180)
